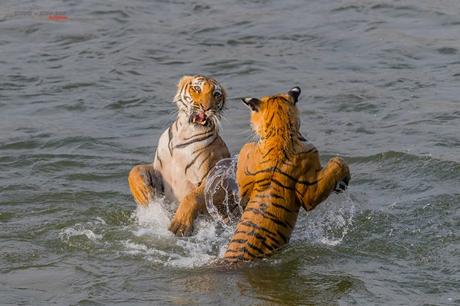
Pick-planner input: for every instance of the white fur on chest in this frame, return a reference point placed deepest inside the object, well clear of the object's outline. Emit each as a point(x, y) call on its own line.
point(181, 157)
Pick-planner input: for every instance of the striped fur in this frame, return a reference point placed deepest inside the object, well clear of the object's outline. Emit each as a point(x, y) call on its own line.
point(277, 176)
point(186, 151)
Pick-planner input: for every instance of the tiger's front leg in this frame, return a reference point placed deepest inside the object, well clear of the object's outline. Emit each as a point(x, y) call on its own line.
point(144, 183)
point(335, 176)
point(189, 207)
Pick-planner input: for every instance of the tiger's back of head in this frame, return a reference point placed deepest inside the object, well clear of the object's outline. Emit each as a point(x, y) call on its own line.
point(200, 98)
point(276, 116)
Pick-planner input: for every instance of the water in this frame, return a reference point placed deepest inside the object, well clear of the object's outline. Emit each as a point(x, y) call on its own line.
point(83, 100)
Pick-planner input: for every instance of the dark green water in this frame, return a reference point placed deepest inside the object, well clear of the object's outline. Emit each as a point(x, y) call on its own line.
point(83, 100)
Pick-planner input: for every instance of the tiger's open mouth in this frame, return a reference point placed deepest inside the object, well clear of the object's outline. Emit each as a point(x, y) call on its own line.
point(200, 118)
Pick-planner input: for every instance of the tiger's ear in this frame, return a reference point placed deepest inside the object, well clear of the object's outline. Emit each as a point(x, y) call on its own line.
point(184, 80)
point(252, 103)
point(295, 93)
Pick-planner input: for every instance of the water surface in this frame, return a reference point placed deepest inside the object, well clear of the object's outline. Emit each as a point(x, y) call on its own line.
point(83, 100)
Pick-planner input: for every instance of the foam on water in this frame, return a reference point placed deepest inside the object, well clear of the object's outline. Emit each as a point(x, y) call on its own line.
point(157, 244)
point(87, 230)
point(71, 232)
point(153, 219)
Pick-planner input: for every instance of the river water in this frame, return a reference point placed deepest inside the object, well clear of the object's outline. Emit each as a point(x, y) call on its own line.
point(85, 96)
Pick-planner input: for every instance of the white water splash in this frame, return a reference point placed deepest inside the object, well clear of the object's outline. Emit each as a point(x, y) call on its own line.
point(222, 179)
point(330, 222)
point(153, 219)
point(82, 229)
point(155, 243)
point(71, 232)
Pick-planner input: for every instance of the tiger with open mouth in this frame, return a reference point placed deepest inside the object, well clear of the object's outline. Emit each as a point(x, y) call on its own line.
point(186, 151)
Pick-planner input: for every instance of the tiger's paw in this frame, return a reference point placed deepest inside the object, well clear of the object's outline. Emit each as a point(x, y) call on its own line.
point(342, 185)
point(343, 173)
point(182, 225)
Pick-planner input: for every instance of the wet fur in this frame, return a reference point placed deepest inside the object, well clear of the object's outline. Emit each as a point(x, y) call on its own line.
point(276, 176)
point(186, 151)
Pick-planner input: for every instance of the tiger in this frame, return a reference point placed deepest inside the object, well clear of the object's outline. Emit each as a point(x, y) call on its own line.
point(276, 176)
point(186, 152)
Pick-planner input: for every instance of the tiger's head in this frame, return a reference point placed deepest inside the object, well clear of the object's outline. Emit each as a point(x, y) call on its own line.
point(276, 115)
point(201, 98)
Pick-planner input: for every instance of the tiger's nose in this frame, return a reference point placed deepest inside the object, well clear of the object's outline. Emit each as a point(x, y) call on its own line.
point(206, 106)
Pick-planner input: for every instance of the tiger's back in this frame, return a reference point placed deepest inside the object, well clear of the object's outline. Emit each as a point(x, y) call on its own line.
point(271, 212)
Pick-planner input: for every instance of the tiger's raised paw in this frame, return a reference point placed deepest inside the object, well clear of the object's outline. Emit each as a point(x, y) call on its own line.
point(181, 226)
point(342, 185)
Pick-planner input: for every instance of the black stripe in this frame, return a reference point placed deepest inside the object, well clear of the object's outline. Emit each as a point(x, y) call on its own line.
point(244, 193)
point(184, 144)
point(272, 235)
point(247, 172)
point(277, 205)
point(192, 162)
point(271, 195)
point(269, 216)
point(269, 133)
point(159, 159)
point(170, 137)
point(281, 185)
point(302, 182)
point(205, 175)
point(285, 174)
point(285, 100)
point(282, 207)
point(242, 249)
point(286, 156)
point(180, 100)
point(300, 195)
point(246, 251)
point(259, 237)
point(206, 146)
point(276, 169)
point(276, 196)
point(256, 182)
point(200, 134)
point(255, 248)
point(309, 151)
point(268, 152)
point(239, 257)
point(269, 123)
point(256, 189)
point(240, 241)
point(307, 183)
point(204, 159)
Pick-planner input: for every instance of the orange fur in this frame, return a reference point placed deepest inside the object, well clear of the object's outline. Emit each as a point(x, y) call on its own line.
point(276, 176)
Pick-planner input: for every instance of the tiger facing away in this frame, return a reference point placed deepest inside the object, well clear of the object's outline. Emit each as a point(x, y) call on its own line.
point(186, 151)
point(277, 176)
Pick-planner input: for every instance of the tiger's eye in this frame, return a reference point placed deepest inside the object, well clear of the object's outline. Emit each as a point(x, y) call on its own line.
point(197, 88)
point(217, 95)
